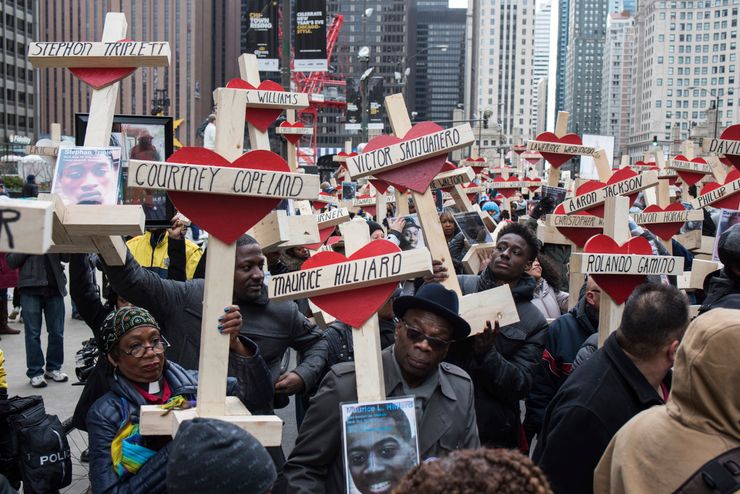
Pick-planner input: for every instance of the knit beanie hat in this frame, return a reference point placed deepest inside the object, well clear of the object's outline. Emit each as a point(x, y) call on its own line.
point(122, 320)
point(210, 455)
point(374, 226)
point(728, 247)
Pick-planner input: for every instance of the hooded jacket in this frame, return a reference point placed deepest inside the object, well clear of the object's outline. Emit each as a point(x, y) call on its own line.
point(662, 447)
point(723, 291)
point(504, 375)
point(155, 253)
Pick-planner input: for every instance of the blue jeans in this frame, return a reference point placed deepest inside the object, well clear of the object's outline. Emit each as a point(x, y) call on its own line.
point(53, 309)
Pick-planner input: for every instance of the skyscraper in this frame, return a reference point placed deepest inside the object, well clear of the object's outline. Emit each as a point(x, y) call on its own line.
point(203, 37)
point(436, 58)
point(504, 80)
point(616, 83)
point(17, 94)
point(541, 64)
point(563, 20)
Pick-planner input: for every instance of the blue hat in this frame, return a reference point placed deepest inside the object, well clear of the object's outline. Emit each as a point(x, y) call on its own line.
point(490, 206)
point(435, 298)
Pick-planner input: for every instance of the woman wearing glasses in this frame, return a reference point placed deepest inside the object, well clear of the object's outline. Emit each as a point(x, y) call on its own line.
point(121, 459)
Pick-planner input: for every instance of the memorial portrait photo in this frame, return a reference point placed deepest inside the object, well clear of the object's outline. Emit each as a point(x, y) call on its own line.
point(380, 444)
point(88, 175)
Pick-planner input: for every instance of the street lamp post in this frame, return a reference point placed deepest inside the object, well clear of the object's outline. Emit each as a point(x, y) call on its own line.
point(715, 107)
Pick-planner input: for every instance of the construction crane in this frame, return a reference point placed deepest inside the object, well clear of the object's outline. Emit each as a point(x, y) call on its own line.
point(325, 90)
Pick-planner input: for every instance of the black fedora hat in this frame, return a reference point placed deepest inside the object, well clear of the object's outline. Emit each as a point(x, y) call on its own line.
point(435, 298)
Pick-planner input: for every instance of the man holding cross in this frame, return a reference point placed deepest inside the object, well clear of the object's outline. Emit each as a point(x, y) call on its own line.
point(274, 326)
point(428, 323)
point(502, 362)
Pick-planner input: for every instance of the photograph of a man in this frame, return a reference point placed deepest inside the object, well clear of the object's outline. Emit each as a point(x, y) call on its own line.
point(380, 444)
point(87, 175)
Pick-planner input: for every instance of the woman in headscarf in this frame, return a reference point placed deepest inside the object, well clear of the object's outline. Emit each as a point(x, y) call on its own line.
point(121, 459)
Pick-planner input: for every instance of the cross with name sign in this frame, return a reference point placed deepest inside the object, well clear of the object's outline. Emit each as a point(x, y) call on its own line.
point(237, 190)
point(95, 228)
point(618, 263)
point(414, 167)
point(727, 145)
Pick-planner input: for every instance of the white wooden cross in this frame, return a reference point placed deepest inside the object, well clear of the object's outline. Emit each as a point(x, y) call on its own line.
point(616, 210)
point(491, 305)
point(214, 350)
point(353, 274)
point(98, 228)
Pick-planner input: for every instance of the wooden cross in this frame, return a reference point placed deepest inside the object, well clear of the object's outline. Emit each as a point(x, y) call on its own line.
point(214, 348)
point(56, 140)
point(491, 305)
point(98, 228)
point(616, 210)
point(25, 226)
point(353, 274)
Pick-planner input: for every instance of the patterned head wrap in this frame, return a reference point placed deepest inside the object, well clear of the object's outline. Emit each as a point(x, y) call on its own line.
point(122, 320)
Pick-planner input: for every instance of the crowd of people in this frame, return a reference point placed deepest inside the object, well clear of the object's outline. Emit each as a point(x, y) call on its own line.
point(536, 406)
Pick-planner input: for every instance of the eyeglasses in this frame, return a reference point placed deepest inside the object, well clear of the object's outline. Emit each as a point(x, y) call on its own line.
point(158, 346)
point(416, 336)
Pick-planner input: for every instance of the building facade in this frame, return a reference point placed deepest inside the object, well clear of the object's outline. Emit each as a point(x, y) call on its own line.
point(17, 100)
point(504, 85)
point(685, 70)
point(616, 82)
point(563, 19)
point(203, 38)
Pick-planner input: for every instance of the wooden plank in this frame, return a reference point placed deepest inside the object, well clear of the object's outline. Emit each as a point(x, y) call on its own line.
point(222, 180)
point(668, 217)
point(591, 263)
point(459, 176)
point(691, 239)
point(112, 249)
point(410, 151)
point(719, 170)
point(694, 279)
point(230, 133)
point(717, 194)
point(610, 314)
point(473, 259)
point(366, 339)
point(92, 54)
point(272, 231)
point(690, 166)
point(85, 220)
point(560, 148)
point(551, 235)
point(301, 230)
point(214, 348)
point(574, 221)
point(25, 225)
point(495, 304)
point(333, 278)
point(720, 146)
point(363, 202)
point(331, 218)
point(621, 188)
point(267, 429)
point(301, 131)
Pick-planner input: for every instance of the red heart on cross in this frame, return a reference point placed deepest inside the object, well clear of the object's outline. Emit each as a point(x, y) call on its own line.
point(732, 133)
point(536, 186)
point(690, 178)
point(624, 174)
point(618, 286)
point(261, 118)
point(102, 77)
point(520, 149)
point(449, 166)
point(415, 176)
point(292, 138)
point(500, 182)
point(226, 217)
point(732, 200)
point(354, 307)
point(591, 186)
point(558, 159)
point(665, 230)
point(578, 236)
point(533, 159)
point(380, 185)
point(328, 199)
point(368, 209)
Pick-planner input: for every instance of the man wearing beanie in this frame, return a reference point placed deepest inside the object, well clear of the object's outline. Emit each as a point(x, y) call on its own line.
point(210, 455)
point(724, 287)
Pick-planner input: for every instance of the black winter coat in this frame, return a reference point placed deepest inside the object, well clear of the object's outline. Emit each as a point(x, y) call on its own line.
point(252, 386)
point(504, 375)
point(723, 292)
point(564, 338)
point(599, 397)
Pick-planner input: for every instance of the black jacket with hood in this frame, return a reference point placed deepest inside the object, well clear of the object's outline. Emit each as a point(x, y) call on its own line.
point(504, 375)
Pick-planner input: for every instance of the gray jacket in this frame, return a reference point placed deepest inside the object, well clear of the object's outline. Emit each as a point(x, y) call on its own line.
point(178, 307)
point(33, 271)
point(316, 466)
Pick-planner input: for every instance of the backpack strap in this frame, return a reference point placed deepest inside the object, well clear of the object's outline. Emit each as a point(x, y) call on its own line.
point(720, 474)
